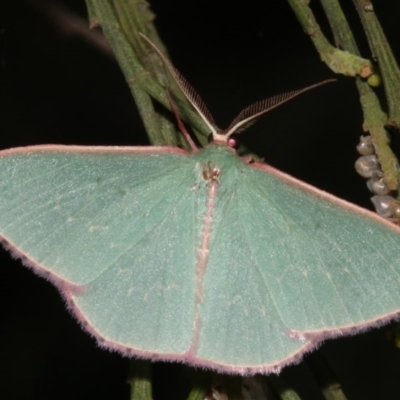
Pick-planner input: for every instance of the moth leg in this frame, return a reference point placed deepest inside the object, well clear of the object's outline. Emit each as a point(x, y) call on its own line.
point(181, 125)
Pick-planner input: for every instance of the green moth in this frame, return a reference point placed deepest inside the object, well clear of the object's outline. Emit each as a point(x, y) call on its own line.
point(202, 257)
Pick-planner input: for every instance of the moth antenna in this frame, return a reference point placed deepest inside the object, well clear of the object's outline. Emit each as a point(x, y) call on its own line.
point(249, 115)
point(187, 89)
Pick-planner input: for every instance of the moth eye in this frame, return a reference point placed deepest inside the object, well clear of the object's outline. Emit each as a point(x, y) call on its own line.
point(233, 142)
point(367, 166)
point(365, 147)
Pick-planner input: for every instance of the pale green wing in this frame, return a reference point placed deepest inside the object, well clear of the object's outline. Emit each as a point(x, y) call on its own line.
point(198, 258)
point(115, 229)
point(288, 267)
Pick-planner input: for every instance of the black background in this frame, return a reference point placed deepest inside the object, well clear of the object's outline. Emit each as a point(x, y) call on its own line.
point(59, 89)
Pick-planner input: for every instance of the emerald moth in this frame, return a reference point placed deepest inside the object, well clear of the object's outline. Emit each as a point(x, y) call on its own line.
point(201, 257)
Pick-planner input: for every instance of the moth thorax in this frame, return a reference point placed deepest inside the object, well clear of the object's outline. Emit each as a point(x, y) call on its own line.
point(210, 172)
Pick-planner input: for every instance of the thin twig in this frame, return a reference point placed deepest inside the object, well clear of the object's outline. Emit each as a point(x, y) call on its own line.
point(280, 386)
point(339, 61)
point(383, 53)
point(374, 118)
point(139, 379)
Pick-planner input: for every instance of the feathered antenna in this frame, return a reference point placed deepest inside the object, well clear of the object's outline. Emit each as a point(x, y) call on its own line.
point(249, 115)
point(245, 118)
point(187, 89)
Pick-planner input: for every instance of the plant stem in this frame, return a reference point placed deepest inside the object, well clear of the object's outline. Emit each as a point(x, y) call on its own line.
point(383, 53)
point(339, 61)
point(135, 17)
point(374, 118)
point(201, 385)
point(139, 379)
point(104, 14)
point(143, 86)
point(280, 386)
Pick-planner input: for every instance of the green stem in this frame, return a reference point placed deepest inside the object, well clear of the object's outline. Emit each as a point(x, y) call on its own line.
point(143, 86)
point(280, 386)
point(140, 379)
point(104, 14)
point(135, 17)
point(374, 118)
point(201, 385)
point(339, 61)
point(383, 53)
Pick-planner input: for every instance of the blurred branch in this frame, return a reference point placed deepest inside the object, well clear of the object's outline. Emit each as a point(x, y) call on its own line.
point(69, 24)
point(143, 70)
